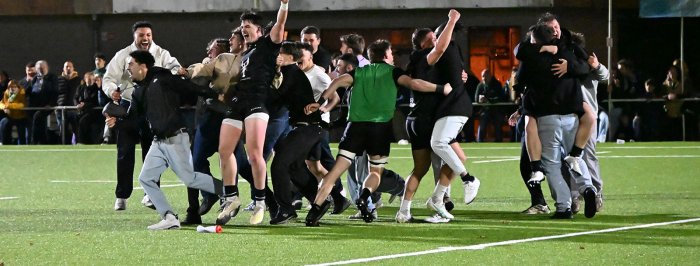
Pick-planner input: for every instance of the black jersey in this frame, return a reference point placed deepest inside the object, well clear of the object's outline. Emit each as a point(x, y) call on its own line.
point(258, 66)
point(449, 70)
point(296, 93)
point(423, 104)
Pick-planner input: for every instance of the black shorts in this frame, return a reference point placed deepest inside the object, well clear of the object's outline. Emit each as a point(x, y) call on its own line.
point(373, 137)
point(244, 105)
point(419, 130)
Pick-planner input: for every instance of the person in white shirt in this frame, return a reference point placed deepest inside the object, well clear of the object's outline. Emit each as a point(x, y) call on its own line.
point(117, 85)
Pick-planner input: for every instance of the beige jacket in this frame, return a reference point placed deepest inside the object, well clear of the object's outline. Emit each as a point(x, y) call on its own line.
point(223, 72)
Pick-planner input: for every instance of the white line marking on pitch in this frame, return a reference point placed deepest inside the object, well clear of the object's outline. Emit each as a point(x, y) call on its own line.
point(500, 160)
point(163, 186)
point(8, 198)
point(96, 181)
point(504, 243)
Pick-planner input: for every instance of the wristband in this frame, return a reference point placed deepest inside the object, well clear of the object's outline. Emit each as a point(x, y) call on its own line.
point(284, 6)
point(321, 101)
point(440, 89)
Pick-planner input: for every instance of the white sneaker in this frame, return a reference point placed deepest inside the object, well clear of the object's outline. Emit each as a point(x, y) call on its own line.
point(403, 142)
point(471, 189)
point(535, 178)
point(169, 222)
point(229, 209)
point(436, 219)
point(403, 217)
point(439, 207)
point(258, 213)
point(146, 201)
point(573, 163)
point(120, 204)
point(250, 206)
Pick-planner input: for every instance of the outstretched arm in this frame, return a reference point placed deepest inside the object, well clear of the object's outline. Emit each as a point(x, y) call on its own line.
point(344, 81)
point(423, 86)
point(277, 32)
point(444, 39)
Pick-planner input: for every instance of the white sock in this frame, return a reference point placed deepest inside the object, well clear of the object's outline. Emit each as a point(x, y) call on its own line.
point(259, 203)
point(438, 193)
point(405, 206)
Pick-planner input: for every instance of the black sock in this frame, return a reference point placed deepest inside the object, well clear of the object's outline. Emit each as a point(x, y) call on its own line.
point(576, 151)
point(365, 194)
point(467, 178)
point(536, 166)
point(259, 194)
point(230, 191)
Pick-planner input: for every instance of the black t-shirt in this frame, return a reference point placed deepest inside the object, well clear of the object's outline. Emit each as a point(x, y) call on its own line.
point(322, 58)
point(449, 70)
point(296, 93)
point(547, 94)
point(423, 103)
point(258, 66)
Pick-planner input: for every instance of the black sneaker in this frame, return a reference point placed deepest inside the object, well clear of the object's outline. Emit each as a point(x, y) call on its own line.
point(589, 198)
point(192, 218)
point(563, 215)
point(316, 213)
point(340, 205)
point(282, 217)
point(207, 203)
point(449, 205)
point(364, 209)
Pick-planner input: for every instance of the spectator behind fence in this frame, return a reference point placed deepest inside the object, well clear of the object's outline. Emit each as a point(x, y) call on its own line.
point(626, 85)
point(4, 80)
point(650, 117)
point(490, 91)
point(673, 106)
point(43, 93)
point(13, 101)
point(68, 84)
point(30, 73)
point(89, 118)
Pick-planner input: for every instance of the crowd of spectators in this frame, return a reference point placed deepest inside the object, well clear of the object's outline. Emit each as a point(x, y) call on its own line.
point(659, 110)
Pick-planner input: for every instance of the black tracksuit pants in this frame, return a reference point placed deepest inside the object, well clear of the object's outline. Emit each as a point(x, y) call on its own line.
point(288, 165)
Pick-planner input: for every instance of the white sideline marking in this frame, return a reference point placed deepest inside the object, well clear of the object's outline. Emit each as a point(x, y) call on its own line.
point(503, 243)
point(500, 160)
point(8, 198)
point(96, 181)
point(649, 156)
point(162, 186)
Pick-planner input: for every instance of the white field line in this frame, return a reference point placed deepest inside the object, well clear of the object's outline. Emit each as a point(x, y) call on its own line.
point(508, 242)
point(8, 198)
point(499, 160)
point(96, 181)
point(164, 186)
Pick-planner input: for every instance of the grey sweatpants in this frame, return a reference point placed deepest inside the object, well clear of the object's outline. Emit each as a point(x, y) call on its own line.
point(557, 134)
point(175, 153)
point(591, 159)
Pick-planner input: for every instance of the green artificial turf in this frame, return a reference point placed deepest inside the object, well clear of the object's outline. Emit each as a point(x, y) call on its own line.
point(57, 220)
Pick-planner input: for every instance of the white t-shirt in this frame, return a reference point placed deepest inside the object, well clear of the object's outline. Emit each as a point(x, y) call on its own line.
point(319, 83)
